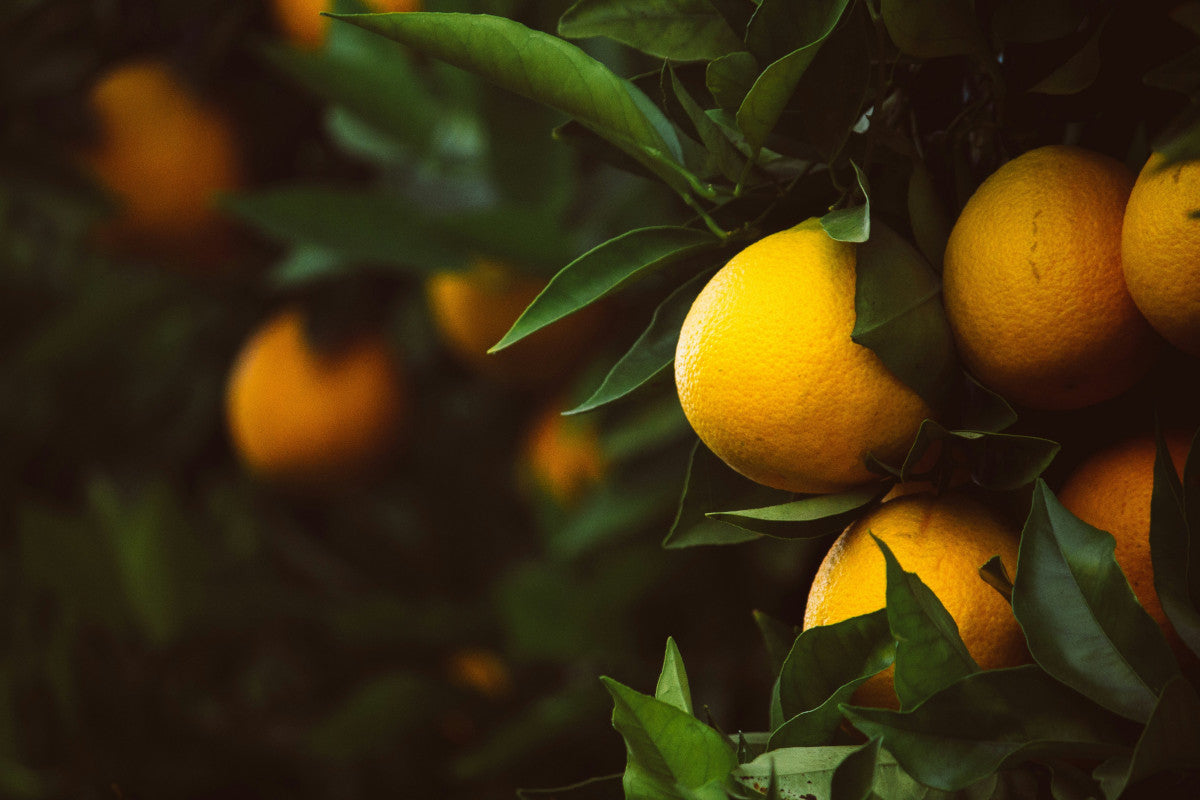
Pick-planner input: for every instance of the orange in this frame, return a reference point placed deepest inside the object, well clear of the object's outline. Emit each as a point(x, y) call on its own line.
point(472, 309)
point(297, 412)
point(481, 670)
point(301, 20)
point(1033, 285)
point(770, 380)
point(1160, 250)
point(564, 456)
point(163, 154)
point(944, 539)
point(1111, 491)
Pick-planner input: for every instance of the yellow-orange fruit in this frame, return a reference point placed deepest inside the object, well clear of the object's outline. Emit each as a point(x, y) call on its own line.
point(163, 154)
point(770, 379)
point(564, 456)
point(943, 539)
point(1111, 491)
point(296, 412)
point(472, 309)
point(481, 670)
point(1160, 250)
point(301, 20)
point(1033, 284)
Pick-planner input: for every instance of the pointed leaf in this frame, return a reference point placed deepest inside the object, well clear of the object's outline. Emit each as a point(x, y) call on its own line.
point(930, 655)
point(725, 156)
point(934, 28)
point(998, 461)
point(681, 30)
point(988, 719)
point(900, 315)
point(730, 77)
point(995, 574)
point(778, 637)
point(809, 517)
point(1173, 554)
point(1082, 620)
point(855, 776)
point(1078, 72)
point(851, 224)
point(983, 409)
point(1170, 741)
point(604, 269)
point(673, 684)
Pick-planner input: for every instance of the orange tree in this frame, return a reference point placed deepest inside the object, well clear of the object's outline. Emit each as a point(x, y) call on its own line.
point(891, 146)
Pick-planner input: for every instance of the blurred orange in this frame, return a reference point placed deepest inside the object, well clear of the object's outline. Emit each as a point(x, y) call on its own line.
point(473, 309)
point(163, 154)
point(483, 671)
point(564, 455)
point(301, 20)
point(297, 412)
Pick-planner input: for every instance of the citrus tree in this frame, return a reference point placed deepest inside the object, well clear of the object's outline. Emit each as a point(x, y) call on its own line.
point(919, 282)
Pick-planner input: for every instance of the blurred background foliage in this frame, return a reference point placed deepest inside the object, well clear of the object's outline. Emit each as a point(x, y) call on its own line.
point(177, 625)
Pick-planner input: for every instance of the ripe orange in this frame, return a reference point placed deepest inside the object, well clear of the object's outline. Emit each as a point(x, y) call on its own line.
point(1033, 285)
point(1111, 491)
point(481, 670)
point(301, 20)
point(1160, 250)
point(943, 539)
point(770, 379)
point(473, 309)
point(295, 412)
point(564, 456)
point(163, 154)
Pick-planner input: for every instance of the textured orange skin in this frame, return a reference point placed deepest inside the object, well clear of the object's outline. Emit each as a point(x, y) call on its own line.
point(945, 540)
point(1160, 250)
point(294, 412)
point(1111, 491)
point(564, 455)
point(301, 20)
point(473, 309)
point(770, 380)
point(163, 154)
point(1033, 285)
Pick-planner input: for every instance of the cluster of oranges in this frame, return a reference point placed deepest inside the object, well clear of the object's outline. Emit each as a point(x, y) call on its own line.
point(1062, 276)
point(298, 411)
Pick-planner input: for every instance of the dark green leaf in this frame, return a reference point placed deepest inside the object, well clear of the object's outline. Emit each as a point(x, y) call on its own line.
point(987, 720)
point(725, 156)
point(673, 684)
point(604, 269)
point(998, 461)
point(1176, 560)
point(995, 574)
point(851, 224)
point(681, 30)
point(711, 485)
point(1170, 741)
point(1076, 73)
point(826, 664)
point(930, 655)
point(1034, 21)
point(934, 28)
point(778, 637)
point(375, 717)
point(1180, 74)
point(730, 77)
point(1082, 621)
point(808, 517)
point(1069, 782)
point(854, 778)
point(654, 350)
point(927, 215)
point(811, 23)
point(670, 753)
point(900, 315)
point(308, 264)
point(983, 409)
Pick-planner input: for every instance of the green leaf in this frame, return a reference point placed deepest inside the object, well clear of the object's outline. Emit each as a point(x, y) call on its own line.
point(1082, 621)
point(809, 24)
point(602, 270)
point(1076, 73)
point(681, 30)
point(1034, 21)
point(1170, 741)
point(543, 68)
point(725, 156)
point(375, 717)
point(900, 315)
point(654, 350)
point(307, 264)
point(851, 224)
point(854, 778)
point(1180, 74)
point(995, 574)
point(825, 666)
point(729, 78)
point(987, 720)
point(670, 753)
point(934, 28)
point(930, 655)
point(928, 216)
point(711, 485)
point(805, 518)
point(983, 409)
point(673, 684)
point(1069, 782)
point(778, 636)
point(998, 461)
point(1175, 559)
point(808, 772)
